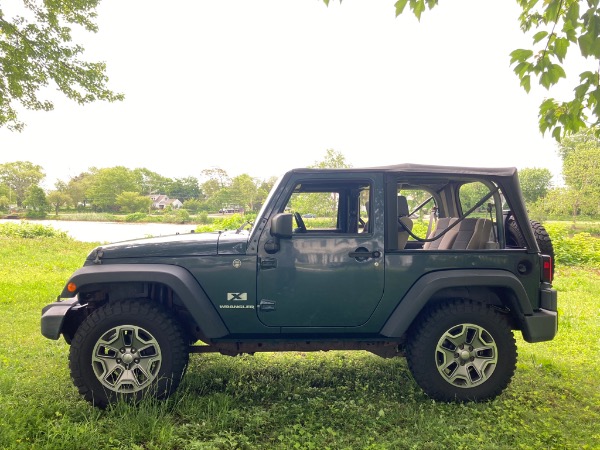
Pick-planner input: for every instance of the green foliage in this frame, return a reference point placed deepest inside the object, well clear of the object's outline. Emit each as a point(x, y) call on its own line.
point(177, 216)
point(420, 228)
point(57, 199)
point(36, 202)
point(232, 222)
point(37, 52)
point(4, 202)
point(535, 183)
point(193, 205)
point(133, 202)
point(332, 160)
point(579, 249)
point(184, 189)
point(319, 204)
point(29, 231)
point(203, 217)
point(136, 217)
point(471, 193)
point(19, 176)
point(107, 184)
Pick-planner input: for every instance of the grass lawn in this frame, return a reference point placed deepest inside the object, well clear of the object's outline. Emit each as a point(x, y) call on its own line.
point(335, 400)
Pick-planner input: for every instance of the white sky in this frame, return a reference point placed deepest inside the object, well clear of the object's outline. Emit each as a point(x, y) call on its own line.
point(262, 86)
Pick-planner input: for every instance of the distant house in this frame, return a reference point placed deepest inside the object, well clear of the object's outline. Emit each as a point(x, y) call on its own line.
point(160, 201)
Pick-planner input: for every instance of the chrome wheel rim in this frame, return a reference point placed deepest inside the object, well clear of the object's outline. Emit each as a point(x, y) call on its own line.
point(126, 359)
point(466, 355)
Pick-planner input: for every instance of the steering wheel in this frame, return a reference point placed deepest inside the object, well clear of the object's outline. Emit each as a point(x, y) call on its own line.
point(301, 227)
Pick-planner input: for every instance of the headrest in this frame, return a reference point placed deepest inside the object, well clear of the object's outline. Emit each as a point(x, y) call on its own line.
point(402, 206)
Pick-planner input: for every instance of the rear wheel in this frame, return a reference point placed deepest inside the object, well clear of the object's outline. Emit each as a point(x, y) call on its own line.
point(462, 351)
point(127, 350)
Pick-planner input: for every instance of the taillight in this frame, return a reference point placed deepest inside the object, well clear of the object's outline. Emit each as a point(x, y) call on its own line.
point(547, 268)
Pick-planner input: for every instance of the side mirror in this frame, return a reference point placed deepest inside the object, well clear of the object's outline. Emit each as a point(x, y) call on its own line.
point(282, 225)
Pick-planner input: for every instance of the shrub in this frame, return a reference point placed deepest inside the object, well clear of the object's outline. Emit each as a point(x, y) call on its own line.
point(177, 216)
point(203, 218)
point(29, 230)
point(36, 214)
point(574, 249)
point(135, 217)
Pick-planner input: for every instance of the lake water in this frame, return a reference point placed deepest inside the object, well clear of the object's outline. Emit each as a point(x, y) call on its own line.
point(112, 231)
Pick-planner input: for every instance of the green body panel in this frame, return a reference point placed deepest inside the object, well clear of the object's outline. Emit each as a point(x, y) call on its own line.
point(317, 284)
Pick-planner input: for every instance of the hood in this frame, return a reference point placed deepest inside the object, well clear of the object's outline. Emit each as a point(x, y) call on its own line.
point(193, 244)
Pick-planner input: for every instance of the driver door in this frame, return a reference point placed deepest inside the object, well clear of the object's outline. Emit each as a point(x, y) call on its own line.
point(330, 273)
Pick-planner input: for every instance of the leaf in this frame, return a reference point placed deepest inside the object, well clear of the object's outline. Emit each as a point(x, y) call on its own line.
point(572, 14)
point(400, 5)
point(556, 133)
point(560, 48)
point(545, 80)
point(522, 68)
point(537, 37)
point(418, 6)
point(552, 11)
point(526, 83)
point(556, 72)
point(520, 55)
point(589, 45)
point(581, 90)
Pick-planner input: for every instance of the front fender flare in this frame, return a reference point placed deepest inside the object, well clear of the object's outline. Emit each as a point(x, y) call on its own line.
point(426, 287)
point(177, 278)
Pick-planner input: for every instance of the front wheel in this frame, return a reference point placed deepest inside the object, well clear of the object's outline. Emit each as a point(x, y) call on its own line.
point(126, 350)
point(462, 351)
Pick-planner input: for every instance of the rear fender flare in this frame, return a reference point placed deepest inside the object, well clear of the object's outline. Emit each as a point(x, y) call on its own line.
point(428, 285)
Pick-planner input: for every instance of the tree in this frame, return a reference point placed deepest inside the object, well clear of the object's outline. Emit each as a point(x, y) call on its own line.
point(4, 202)
point(58, 198)
point(581, 170)
point(244, 191)
point(36, 203)
point(554, 25)
point(131, 202)
point(151, 182)
point(535, 183)
point(586, 138)
point(36, 51)
point(217, 174)
point(106, 184)
point(78, 189)
point(19, 176)
point(332, 160)
point(193, 205)
point(184, 189)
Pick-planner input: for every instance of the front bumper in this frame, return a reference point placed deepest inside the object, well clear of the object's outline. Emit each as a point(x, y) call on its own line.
point(53, 316)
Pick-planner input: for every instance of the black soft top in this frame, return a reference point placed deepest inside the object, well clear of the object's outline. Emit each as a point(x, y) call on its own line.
point(450, 171)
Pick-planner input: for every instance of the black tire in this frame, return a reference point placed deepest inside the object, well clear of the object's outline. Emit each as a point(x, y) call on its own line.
point(543, 238)
point(514, 237)
point(128, 350)
point(462, 351)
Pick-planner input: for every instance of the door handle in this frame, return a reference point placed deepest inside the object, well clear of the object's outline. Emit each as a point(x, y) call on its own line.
point(365, 254)
point(268, 263)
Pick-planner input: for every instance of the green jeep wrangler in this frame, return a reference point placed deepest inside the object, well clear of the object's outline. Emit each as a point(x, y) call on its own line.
point(438, 264)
